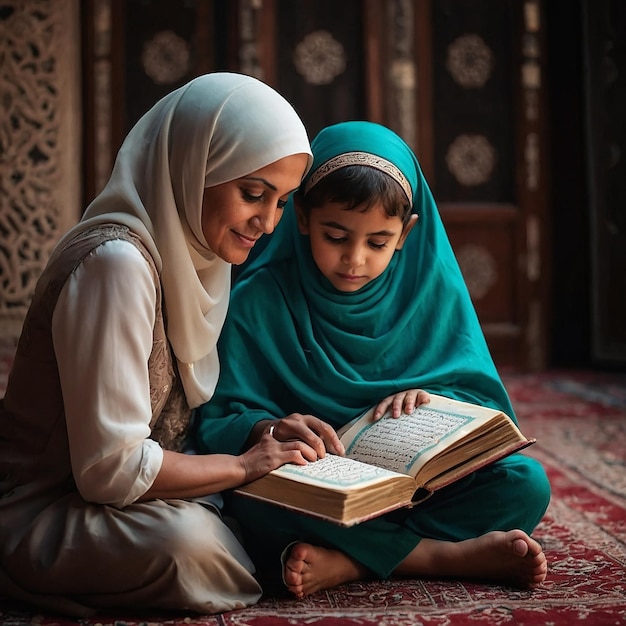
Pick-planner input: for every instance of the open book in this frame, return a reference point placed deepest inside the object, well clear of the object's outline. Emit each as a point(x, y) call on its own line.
point(393, 462)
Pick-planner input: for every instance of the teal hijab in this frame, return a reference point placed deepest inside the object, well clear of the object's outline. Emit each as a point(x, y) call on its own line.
point(293, 343)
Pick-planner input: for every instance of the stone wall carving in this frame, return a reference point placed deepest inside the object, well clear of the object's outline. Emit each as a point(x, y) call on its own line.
point(39, 143)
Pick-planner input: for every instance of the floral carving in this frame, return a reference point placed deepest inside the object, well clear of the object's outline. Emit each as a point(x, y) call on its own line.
point(320, 58)
point(471, 159)
point(479, 269)
point(165, 58)
point(470, 61)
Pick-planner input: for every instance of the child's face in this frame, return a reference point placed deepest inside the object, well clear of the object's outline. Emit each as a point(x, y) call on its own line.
point(351, 248)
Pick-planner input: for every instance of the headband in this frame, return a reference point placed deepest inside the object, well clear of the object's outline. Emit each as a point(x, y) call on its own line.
point(359, 158)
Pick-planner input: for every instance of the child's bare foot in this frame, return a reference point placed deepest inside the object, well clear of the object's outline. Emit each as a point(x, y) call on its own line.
point(311, 568)
point(507, 557)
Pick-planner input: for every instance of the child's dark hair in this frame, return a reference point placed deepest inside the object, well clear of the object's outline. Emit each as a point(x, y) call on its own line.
point(358, 186)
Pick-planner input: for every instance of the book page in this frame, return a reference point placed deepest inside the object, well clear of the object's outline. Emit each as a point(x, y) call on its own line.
point(397, 444)
point(333, 471)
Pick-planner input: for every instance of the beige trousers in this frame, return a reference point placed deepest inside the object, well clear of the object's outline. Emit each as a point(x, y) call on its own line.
point(79, 558)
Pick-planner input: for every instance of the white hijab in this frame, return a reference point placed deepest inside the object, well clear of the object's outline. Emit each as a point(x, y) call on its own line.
point(216, 128)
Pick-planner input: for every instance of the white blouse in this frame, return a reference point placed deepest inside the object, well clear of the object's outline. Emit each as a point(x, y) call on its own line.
point(102, 328)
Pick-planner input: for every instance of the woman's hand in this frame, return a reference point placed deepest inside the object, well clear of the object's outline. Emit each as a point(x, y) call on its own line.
point(404, 401)
point(294, 439)
point(318, 436)
point(192, 475)
point(269, 453)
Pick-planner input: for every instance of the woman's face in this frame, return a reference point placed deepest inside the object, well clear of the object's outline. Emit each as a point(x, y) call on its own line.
point(235, 214)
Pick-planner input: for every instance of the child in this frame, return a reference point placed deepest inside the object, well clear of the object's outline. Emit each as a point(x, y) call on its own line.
point(363, 303)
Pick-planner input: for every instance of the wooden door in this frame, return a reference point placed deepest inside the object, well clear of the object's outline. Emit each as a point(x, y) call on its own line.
point(462, 82)
point(484, 153)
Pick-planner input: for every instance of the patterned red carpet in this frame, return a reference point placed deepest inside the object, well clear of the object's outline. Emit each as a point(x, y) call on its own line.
point(579, 420)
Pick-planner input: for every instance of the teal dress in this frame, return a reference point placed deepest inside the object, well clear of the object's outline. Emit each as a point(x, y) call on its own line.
point(293, 343)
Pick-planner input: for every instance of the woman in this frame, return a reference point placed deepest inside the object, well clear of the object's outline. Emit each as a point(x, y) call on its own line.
point(99, 506)
point(360, 302)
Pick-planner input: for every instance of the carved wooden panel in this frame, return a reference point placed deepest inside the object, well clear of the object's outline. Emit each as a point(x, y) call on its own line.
point(39, 144)
point(473, 68)
point(481, 92)
point(136, 52)
point(319, 60)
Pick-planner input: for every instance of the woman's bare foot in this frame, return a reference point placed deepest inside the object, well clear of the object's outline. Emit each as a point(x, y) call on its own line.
point(311, 568)
point(510, 557)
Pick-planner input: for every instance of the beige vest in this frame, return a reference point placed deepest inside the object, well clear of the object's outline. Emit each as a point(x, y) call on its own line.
point(34, 387)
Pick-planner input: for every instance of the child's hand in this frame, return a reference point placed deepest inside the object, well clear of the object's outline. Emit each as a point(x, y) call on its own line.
point(403, 401)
